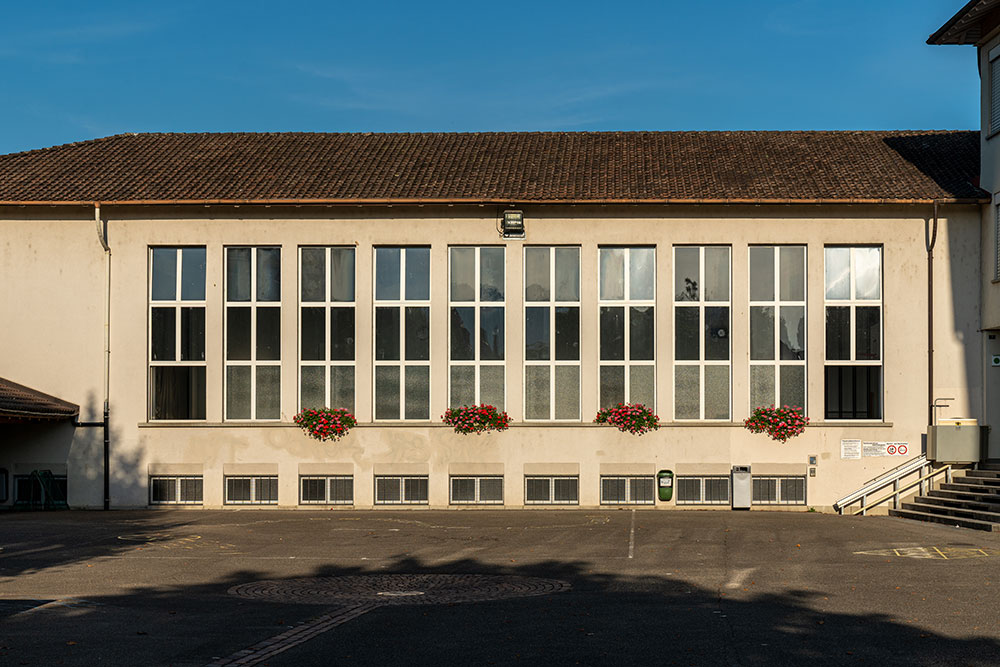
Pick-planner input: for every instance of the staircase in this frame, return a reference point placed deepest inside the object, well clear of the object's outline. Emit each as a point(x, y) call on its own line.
point(971, 500)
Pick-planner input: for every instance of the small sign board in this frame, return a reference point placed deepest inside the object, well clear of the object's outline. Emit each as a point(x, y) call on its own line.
point(874, 449)
point(850, 449)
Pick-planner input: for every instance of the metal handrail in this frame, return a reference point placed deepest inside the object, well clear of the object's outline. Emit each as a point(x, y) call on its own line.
point(905, 464)
point(897, 490)
point(880, 483)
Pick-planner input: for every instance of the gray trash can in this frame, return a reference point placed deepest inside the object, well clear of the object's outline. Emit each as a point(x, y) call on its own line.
point(742, 487)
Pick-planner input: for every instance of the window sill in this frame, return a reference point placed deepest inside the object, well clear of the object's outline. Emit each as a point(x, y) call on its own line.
point(517, 425)
point(833, 423)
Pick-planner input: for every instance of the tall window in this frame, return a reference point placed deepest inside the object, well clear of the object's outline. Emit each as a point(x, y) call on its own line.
point(853, 333)
point(552, 333)
point(626, 298)
point(777, 326)
point(177, 333)
point(476, 331)
point(253, 333)
point(701, 332)
point(327, 328)
point(402, 333)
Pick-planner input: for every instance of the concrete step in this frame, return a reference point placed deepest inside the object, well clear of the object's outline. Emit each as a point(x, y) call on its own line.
point(992, 465)
point(985, 476)
point(964, 494)
point(949, 520)
point(978, 515)
point(959, 502)
point(972, 488)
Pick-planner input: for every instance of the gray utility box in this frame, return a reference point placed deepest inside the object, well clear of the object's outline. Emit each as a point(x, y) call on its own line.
point(954, 441)
point(742, 487)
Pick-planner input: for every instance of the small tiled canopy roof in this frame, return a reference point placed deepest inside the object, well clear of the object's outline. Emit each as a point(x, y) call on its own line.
point(500, 168)
point(19, 403)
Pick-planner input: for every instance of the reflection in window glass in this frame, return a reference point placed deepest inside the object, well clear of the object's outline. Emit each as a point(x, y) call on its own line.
point(477, 332)
point(627, 325)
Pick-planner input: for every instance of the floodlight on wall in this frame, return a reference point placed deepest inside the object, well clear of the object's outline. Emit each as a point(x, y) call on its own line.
point(512, 224)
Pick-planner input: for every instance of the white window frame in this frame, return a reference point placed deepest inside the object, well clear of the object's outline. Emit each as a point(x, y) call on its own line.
point(327, 480)
point(401, 305)
point(253, 363)
point(253, 490)
point(552, 490)
point(776, 304)
point(177, 304)
point(478, 496)
point(630, 498)
point(779, 482)
point(853, 303)
point(701, 493)
point(327, 305)
point(701, 304)
point(552, 304)
point(403, 499)
point(627, 304)
point(176, 479)
point(477, 304)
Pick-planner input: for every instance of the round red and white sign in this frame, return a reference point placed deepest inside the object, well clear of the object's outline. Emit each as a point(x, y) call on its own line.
point(891, 449)
point(902, 449)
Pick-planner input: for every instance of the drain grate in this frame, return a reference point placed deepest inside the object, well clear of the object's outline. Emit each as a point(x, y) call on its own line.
point(398, 589)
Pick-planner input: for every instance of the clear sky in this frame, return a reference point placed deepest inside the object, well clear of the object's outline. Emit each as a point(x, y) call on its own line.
point(71, 71)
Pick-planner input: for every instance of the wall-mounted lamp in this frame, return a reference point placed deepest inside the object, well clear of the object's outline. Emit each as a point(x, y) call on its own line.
point(513, 224)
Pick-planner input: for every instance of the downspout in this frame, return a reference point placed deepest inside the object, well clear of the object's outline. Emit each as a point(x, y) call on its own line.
point(930, 238)
point(102, 236)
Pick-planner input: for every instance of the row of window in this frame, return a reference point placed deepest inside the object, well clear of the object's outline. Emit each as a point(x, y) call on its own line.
point(476, 490)
point(550, 322)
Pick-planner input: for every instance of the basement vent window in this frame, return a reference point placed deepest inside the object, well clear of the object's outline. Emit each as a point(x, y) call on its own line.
point(477, 490)
point(563, 490)
point(334, 490)
point(28, 490)
point(703, 490)
point(627, 490)
point(779, 490)
point(252, 490)
point(401, 490)
point(181, 490)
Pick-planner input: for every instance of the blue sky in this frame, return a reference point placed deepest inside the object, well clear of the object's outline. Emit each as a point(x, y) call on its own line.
point(71, 71)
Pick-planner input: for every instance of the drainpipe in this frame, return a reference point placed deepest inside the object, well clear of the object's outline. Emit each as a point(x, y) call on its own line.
point(102, 236)
point(930, 238)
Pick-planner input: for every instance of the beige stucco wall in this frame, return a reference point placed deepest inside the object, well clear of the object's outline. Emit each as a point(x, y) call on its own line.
point(690, 448)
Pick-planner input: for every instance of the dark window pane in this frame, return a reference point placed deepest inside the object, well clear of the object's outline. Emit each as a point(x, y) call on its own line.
point(193, 274)
point(163, 329)
point(266, 489)
point(536, 334)
point(462, 326)
point(387, 392)
point(268, 334)
point(612, 333)
point(565, 489)
point(612, 386)
point(313, 274)
point(342, 489)
point(341, 274)
point(491, 334)
point(762, 332)
point(491, 272)
point(567, 333)
point(793, 386)
point(793, 333)
point(415, 489)
point(314, 490)
point(387, 274)
point(342, 334)
point(418, 334)
point(313, 333)
point(342, 387)
point(163, 490)
point(418, 274)
point(268, 392)
point(463, 386)
point(238, 392)
point(312, 393)
point(238, 333)
point(164, 274)
point(537, 489)
point(192, 489)
point(853, 392)
point(640, 337)
point(387, 334)
point(238, 490)
point(686, 336)
point(193, 334)
point(463, 489)
point(417, 390)
point(268, 274)
point(868, 332)
point(387, 489)
point(838, 332)
point(238, 274)
point(178, 392)
point(717, 333)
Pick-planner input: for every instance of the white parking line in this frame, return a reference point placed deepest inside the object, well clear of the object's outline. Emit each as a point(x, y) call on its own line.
point(631, 537)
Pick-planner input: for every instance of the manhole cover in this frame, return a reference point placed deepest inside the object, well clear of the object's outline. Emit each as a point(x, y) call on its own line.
point(398, 589)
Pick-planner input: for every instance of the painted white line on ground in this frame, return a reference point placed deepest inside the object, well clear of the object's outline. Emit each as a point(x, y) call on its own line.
point(739, 576)
point(631, 537)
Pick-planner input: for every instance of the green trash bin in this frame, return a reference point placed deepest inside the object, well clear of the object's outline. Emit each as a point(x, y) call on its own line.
point(665, 484)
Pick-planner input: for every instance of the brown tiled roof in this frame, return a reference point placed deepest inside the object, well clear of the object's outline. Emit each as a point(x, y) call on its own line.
point(499, 167)
point(20, 403)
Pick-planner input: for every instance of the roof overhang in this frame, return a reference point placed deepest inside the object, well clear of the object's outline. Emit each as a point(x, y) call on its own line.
point(972, 23)
point(20, 404)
